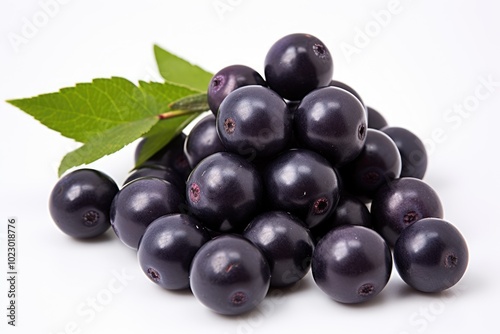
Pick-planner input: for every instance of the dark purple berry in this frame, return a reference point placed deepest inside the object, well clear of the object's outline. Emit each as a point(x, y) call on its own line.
point(229, 275)
point(202, 141)
point(297, 64)
point(303, 183)
point(224, 191)
point(431, 255)
point(168, 247)
point(344, 86)
point(286, 244)
point(402, 202)
point(229, 79)
point(140, 202)
point(254, 122)
point(170, 156)
point(378, 163)
point(349, 211)
point(80, 201)
point(375, 119)
point(352, 264)
point(412, 150)
point(160, 172)
point(332, 122)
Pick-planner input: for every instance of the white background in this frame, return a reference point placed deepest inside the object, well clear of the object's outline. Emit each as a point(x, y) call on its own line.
point(415, 66)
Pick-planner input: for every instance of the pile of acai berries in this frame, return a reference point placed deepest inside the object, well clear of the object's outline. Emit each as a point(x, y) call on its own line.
point(290, 173)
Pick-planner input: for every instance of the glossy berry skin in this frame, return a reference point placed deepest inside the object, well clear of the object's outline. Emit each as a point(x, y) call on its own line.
point(402, 202)
point(229, 275)
point(170, 156)
point(303, 183)
point(140, 202)
point(254, 122)
point(296, 65)
point(375, 119)
point(412, 150)
point(378, 163)
point(344, 86)
point(349, 211)
point(168, 247)
point(224, 192)
point(286, 244)
point(431, 255)
point(202, 141)
point(352, 264)
point(80, 201)
point(158, 171)
point(332, 122)
point(229, 79)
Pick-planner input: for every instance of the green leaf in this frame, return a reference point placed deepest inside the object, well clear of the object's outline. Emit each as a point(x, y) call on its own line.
point(107, 142)
point(108, 114)
point(177, 70)
point(88, 109)
point(83, 111)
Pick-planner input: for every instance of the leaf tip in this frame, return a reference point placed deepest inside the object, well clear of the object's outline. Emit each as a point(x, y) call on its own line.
point(157, 50)
point(13, 102)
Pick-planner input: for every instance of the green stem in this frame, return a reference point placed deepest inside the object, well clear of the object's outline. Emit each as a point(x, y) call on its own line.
point(176, 113)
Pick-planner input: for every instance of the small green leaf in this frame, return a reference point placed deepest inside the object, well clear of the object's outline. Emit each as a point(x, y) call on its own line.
point(179, 71)
point(107, 142)
point(196, 102)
